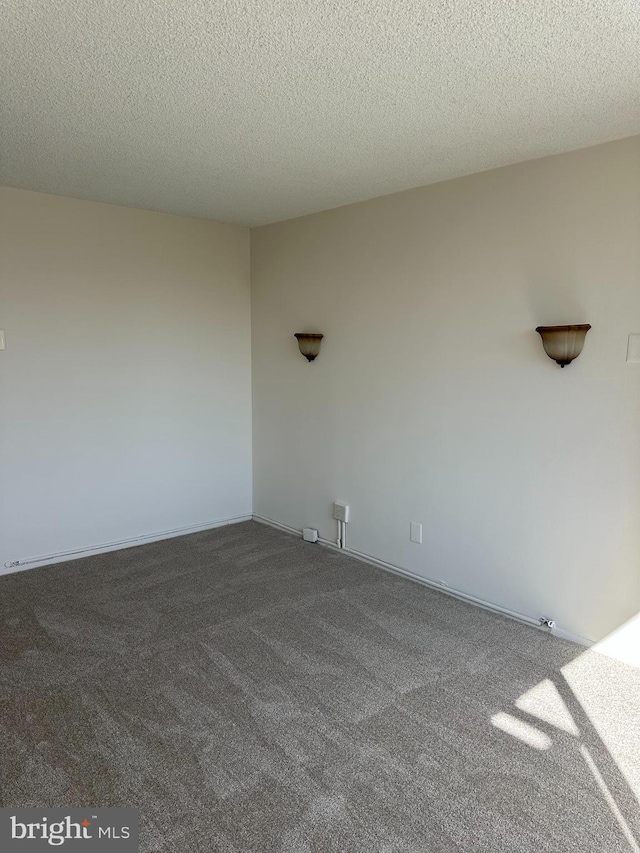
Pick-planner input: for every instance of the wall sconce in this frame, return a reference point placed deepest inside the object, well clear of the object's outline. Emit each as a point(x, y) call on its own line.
point(563, 343)
point(309, 344)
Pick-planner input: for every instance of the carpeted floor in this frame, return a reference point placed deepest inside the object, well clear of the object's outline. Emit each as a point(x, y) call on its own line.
point(251, 692)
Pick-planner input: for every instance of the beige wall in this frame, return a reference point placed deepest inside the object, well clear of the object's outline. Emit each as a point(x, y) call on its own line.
point(432, 399)
point(125, 405)
point(125, 402)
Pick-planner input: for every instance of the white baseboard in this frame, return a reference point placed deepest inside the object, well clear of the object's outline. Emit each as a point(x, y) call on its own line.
point(284, 527)
point(454, 593)
point(61, 556)
point(50, 559)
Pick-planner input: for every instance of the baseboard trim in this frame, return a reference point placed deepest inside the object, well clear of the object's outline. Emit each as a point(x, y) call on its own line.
point(261, 519)
point(12, 566)
point(454, 593)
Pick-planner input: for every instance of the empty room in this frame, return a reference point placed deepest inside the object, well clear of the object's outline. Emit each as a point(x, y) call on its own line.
point(320, 426)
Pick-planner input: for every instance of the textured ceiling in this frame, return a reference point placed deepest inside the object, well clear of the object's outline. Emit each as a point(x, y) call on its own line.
point(254, 111)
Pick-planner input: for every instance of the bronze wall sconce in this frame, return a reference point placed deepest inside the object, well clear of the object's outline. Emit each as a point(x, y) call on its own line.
point(563, 343)
point(309, 344)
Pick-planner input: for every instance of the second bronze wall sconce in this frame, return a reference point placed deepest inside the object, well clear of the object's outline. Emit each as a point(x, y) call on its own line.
point(563, 343)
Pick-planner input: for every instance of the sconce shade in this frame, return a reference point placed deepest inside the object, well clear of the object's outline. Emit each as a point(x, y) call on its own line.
point(309, 344)
point(563, 343)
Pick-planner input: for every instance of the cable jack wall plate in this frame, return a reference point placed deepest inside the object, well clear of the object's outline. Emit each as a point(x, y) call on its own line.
point(341, 511)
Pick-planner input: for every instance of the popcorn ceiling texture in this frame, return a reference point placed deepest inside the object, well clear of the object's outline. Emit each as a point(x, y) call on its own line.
point(258, 111)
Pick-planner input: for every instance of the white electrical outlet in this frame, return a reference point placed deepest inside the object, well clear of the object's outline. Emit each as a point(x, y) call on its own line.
point(415, 532)
point(1, 338)
point(341, 511)
point(309, 534)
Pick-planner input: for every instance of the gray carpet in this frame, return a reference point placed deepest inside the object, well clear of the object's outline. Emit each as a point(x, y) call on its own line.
point(251, 692)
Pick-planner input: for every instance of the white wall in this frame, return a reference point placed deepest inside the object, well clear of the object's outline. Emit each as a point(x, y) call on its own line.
point(432, 399)
point(125, 388)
